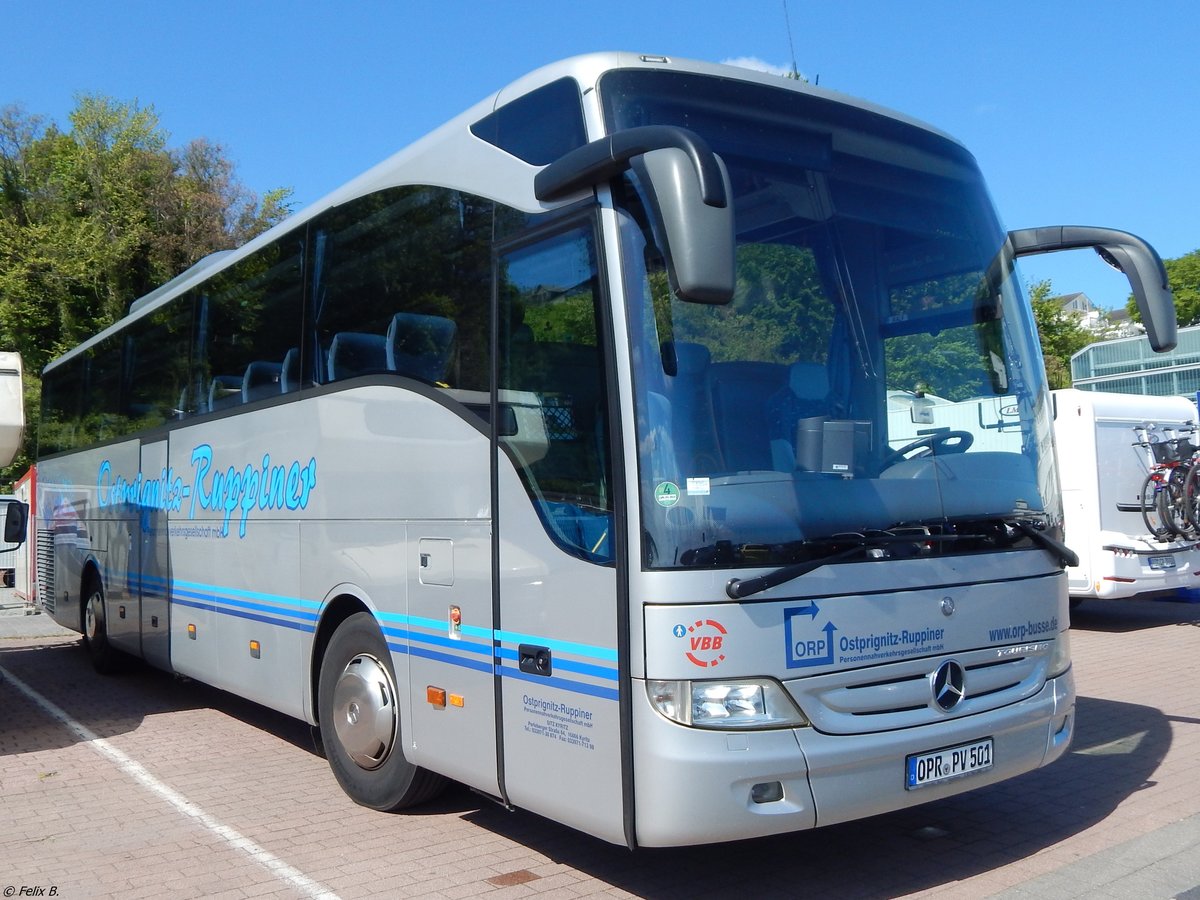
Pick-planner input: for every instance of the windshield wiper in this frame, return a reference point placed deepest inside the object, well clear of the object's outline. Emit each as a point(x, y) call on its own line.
point(884, 544)
point(874, 544)
point(1064, 554)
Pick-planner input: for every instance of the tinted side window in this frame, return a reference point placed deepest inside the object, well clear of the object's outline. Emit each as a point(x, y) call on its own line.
point(248, 328)
point(538, 127)
point(552, 393)
point(129, 382)
point(156, 357)
point(404, 288)
point(101, 417)
point(59, 428)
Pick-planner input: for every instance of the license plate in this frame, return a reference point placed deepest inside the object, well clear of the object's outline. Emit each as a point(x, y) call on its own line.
point(923, 769)
point(1162, 562)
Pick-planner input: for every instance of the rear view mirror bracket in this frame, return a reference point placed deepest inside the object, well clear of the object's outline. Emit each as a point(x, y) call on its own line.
point(690, 199)
point(1125, 252)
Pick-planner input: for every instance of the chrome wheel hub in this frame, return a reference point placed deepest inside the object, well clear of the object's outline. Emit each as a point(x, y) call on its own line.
point(364, 711)
point(93, 616)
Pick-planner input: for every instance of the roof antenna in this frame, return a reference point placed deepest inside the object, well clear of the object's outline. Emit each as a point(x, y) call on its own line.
point(787, 21)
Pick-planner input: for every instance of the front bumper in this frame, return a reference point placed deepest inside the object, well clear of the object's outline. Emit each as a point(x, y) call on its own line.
point(694, 786)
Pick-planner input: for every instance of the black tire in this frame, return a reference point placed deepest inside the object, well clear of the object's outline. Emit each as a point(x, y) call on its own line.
point(106, 659)
point(1172, 505)
point(358, 708)
point(1191, 493)
point(1186, 500)
point(1151, 513)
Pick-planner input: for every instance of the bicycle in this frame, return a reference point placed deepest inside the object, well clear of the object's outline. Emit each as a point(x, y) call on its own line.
point(1170, 495)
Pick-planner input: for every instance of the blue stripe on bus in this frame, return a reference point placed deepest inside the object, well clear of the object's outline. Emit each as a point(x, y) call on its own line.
point(440, 641)
point(578, 687)
point(437, 624)
point(251, 595)
point(217, 594)
point(197, 588)
point(299, 626)
point(511, 637)
point(565, 684)
point(220, 600)
point(515, 637)
point(460, 661)
point(242, 604)
point(568, 665)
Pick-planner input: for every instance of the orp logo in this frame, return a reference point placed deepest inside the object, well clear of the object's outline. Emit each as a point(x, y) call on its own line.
point(706, 640)
point(808, 644)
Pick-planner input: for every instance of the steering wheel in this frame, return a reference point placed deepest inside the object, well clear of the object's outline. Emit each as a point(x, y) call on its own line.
point(934, 444)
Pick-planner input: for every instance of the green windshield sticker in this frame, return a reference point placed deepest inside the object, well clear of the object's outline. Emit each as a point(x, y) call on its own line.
point(666, 494)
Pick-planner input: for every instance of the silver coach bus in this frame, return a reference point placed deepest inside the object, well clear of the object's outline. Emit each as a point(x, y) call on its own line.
point(552, 456)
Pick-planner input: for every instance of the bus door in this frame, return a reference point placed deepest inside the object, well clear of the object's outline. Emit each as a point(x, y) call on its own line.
point(152, 584)
point(556, 638)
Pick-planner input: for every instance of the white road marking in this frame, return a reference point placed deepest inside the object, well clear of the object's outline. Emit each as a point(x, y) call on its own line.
point(138, 773)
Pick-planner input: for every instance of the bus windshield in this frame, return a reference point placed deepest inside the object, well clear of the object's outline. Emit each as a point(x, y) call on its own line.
point(877, 371)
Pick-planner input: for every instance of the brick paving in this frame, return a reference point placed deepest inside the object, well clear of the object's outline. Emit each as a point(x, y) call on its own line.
point(256, 812)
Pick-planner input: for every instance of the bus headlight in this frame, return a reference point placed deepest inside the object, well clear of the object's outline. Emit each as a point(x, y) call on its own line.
point(742, 704)
point(1060, 660)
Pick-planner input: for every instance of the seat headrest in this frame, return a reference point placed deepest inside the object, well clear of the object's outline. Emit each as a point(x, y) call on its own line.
point(354, 353)
point(691, 359)
point(421, 346)
point(261, 380)
point(809, 381)
point(289, 373)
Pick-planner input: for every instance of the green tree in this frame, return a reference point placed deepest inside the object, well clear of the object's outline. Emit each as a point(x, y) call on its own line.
point(1183, 276)
point(97, 215)
point(1060, 335)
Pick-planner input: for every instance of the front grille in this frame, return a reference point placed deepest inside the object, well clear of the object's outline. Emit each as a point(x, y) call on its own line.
point(900, 695)
point(45, 569)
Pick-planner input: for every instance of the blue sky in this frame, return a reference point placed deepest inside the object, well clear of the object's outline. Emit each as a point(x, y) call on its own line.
point(1079, 113)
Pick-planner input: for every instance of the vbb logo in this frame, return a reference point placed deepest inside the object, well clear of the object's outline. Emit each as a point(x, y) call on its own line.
point(706, 639)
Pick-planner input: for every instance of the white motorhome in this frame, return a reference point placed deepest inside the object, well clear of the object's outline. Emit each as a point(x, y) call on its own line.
point(25, 566)
point(1101, 469)
point(13, 513)
point(12, 406)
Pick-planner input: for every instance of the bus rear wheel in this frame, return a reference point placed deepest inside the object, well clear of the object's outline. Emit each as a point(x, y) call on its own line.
point(105, 658)
point(358, 708)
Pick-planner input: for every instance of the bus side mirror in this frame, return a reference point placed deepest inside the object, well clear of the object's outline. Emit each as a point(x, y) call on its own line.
point(1125, 252)
point(16, 520)
point(689, 191)
point(699, 236)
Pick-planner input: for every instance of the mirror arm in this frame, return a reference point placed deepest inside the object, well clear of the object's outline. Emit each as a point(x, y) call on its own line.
point(1124, 251)
point(607, 157)
point(1029, 241)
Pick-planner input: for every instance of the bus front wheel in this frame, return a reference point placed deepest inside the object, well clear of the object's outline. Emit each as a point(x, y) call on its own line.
point(358, 708)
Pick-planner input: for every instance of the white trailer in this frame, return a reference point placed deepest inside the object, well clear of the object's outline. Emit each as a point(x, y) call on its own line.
point(8, 553)
point(25, 574)
point(12, 406)
point(1101, 471)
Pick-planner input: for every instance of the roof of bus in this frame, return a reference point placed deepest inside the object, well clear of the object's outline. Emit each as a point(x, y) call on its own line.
point(451, 156)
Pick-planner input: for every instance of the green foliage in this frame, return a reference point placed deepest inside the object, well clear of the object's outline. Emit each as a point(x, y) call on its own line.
point(1060, 335)
point(779, 309)
point(938, 365)
point(93, 217)
point(1183, 275)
